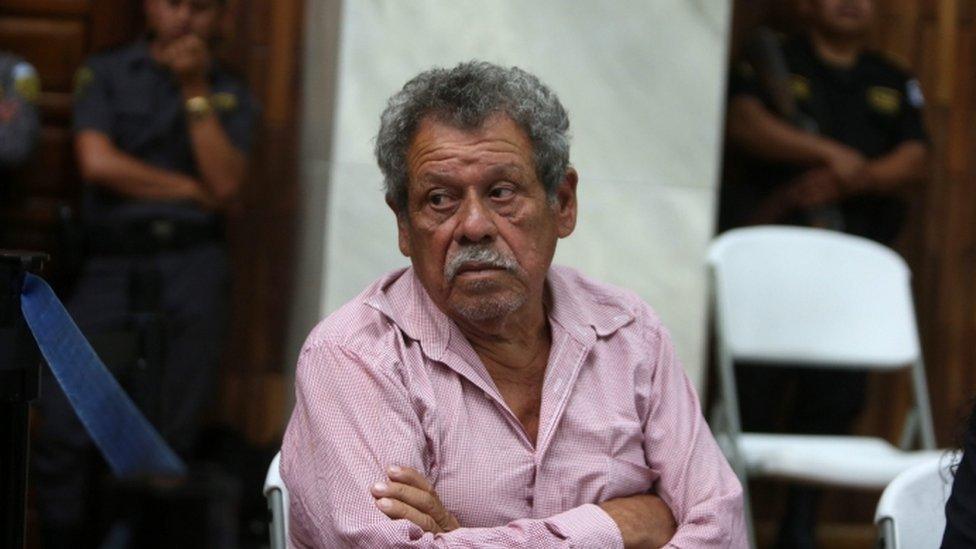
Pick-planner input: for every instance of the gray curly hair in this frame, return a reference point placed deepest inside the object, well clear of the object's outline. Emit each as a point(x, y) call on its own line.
point(465, 97)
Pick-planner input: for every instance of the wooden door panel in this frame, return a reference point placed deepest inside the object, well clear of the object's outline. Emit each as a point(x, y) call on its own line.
point(47, 7)
point(55, 47)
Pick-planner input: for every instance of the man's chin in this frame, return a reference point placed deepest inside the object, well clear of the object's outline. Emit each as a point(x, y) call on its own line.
point(486, 305)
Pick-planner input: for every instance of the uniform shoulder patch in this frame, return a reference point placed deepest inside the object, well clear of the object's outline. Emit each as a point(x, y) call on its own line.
point(83, 79)
point(884, 100)
point(224, 101)
point(26, 82)
point(800, 86)
point(913, 91)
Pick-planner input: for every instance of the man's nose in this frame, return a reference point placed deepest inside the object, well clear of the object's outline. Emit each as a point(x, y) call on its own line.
point(475, 223)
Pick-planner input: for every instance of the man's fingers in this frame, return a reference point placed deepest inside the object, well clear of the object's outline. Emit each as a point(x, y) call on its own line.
point(398, 510)
point(411, 487)
point(408, 475)
point(419, 499)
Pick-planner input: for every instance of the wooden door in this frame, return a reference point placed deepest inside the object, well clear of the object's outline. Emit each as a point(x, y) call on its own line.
point(55, 36)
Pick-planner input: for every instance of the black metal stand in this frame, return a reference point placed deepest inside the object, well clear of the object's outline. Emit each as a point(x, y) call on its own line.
point(19, 384)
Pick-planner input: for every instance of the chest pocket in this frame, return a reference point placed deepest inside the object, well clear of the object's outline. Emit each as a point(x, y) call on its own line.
point(133, 119)
point(608, 463)
point(628, 472)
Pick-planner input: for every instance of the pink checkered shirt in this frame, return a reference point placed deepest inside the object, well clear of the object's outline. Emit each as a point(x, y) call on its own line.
point(389, 379)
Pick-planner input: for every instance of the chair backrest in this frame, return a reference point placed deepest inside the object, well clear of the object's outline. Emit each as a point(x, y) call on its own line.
point(794, 295)
point(277, 495)
point(911, 511)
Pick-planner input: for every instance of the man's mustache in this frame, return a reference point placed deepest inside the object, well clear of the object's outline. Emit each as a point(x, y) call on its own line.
point(482, 254)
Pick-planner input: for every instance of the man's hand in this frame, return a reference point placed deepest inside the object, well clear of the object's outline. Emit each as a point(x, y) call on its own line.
point(810, 190)
point(846, 163)
point(195, 192)
point(189, 59)
point(408, 495)
point(814, 189)
point(644, 520)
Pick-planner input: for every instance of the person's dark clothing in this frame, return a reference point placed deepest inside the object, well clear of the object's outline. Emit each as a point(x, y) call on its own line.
point(960, 510)
point(152, 295)
point(126, 95)
point(872, 107)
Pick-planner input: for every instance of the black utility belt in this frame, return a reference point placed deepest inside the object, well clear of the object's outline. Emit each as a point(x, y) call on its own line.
point(150, 236)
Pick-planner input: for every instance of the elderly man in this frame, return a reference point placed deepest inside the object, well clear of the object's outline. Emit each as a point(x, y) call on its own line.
point(482, 397)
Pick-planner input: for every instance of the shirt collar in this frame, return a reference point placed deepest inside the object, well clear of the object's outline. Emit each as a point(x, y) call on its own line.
point(584, 309)
point(403, 299)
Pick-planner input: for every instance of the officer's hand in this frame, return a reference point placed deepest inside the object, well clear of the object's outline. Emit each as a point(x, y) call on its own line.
point(189, 58)
point(814, 189)
point(408, 495)
point(193, 191)
point(846, 163)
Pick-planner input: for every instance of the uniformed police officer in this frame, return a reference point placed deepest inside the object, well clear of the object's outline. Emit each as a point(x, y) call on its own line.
point(839, 161)
point(162, 134)
point(19, 121)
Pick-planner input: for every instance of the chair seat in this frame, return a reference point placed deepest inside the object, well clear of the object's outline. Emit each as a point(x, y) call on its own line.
point(855, 462)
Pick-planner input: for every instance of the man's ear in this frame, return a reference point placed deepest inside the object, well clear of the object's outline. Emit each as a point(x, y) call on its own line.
point(403, 233)
point(566, 203)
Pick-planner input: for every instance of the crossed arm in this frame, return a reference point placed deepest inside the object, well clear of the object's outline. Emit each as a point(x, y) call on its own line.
point(353, 398)
point(835, 170)
point(644, 520)
point(221, 164)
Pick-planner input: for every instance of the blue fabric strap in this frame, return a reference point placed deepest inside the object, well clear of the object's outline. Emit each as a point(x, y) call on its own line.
point(129, 443)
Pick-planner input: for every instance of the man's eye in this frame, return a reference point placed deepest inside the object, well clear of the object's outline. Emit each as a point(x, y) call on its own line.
point(501, 193)
point(438, 199)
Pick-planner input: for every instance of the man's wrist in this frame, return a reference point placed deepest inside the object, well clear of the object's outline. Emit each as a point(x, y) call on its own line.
point(198, 107)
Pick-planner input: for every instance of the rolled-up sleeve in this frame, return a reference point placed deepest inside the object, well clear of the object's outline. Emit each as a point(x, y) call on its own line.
point(353, 417)
point(696, 480)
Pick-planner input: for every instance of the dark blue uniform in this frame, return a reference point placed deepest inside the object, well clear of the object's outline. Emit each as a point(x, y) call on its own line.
point(152, 296)
point(872, 107)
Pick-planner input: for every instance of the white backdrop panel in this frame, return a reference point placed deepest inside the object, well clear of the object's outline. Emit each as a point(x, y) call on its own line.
point(643, 82)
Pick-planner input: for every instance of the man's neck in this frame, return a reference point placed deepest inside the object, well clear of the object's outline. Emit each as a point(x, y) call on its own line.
point(512, 346)
point(837, 50)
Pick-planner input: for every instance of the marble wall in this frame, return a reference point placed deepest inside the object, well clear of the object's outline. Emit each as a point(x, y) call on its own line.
point(643, 81)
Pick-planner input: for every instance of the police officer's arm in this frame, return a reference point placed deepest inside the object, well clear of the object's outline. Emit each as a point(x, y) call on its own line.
point(102, 163)
point(220, 163)
point(907, 163)
point(753, 128)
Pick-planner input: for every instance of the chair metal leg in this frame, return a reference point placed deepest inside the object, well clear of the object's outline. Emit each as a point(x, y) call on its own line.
point(276, 530)
point(886, 534)
point(924, 407)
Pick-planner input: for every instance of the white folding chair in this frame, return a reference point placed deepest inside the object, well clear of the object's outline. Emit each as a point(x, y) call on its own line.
point(911, 512)
point(277, 494)
point(793, 296)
